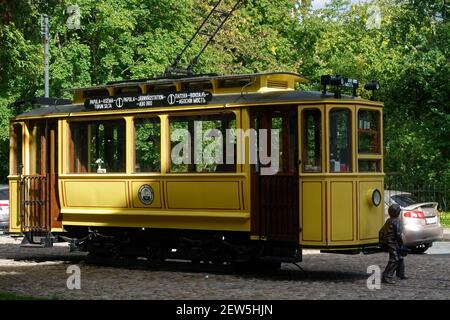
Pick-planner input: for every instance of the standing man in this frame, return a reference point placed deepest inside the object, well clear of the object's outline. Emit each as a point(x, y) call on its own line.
point(391, 240)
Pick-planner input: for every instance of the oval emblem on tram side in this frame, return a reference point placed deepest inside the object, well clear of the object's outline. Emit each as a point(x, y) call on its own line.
point(146, 194)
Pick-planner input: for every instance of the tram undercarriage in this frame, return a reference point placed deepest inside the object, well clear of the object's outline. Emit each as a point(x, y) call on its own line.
point(197, 246)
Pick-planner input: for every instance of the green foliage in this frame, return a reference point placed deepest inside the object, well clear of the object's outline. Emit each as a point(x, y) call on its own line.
point(445, 219)
point(130, 39)
point(148, 145)
point(71, 68)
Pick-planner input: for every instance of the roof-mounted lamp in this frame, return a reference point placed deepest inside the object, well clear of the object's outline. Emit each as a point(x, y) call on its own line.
point(372, 86)
point(338, 81)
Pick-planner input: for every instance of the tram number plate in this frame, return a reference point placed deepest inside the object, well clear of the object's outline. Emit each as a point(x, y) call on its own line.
point(432, 220)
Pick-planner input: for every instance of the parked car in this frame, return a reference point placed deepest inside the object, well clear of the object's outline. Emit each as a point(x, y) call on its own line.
point(421, 223)
point(4, 207)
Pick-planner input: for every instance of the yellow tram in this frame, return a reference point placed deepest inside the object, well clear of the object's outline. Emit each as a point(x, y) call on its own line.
point(102, 172)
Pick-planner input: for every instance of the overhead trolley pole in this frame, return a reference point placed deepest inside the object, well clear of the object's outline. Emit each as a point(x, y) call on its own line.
point(46, 39)
point(208, 29)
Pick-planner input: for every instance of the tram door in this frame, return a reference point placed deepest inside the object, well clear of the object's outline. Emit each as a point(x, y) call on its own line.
point(275, 179)
point(40, 208)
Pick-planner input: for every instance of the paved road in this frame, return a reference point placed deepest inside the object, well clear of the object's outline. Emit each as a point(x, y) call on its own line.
point(447, 234)
point(441, 247)
point(42, 273)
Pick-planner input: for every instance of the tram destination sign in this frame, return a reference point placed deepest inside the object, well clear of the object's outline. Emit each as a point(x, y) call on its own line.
point(137, 101)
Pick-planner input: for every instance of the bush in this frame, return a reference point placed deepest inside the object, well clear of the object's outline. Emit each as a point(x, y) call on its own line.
point(445, 219)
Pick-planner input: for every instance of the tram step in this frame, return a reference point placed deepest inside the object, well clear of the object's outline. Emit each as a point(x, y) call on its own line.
point(32, 245)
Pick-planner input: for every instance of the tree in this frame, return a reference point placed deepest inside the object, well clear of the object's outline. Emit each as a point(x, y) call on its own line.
point(132, 39)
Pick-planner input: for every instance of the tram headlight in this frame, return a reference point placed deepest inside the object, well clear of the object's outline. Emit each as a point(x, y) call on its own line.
point(376, 197)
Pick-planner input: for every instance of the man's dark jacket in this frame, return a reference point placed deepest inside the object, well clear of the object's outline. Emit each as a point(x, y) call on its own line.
point(391, 233)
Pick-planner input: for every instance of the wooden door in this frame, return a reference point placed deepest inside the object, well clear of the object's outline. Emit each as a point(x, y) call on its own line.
point(39, 187)
point(275, 197)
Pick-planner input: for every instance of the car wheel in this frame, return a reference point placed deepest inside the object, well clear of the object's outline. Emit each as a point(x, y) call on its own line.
point(420, 249)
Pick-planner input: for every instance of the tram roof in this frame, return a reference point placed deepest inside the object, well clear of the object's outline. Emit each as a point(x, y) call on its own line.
point(183, 79)
point(283, 97)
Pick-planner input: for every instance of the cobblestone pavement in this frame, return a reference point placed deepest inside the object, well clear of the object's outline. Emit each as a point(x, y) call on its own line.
point(42, 273)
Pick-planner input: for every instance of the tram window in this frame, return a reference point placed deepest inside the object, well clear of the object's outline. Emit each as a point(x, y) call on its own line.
point(285, 139)
point(148, 145)
point(340, 140)
point(98, 146)
point(281, 135)
point(369, 166)
point(368, 131)
point(312, 141)
point(277, 124)
point(36, 167)
point(198, 144)
point(17, 148)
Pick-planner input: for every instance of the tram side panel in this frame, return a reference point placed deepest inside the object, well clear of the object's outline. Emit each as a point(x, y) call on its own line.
point(14, 207)
point(336, 208)
point(178, 203)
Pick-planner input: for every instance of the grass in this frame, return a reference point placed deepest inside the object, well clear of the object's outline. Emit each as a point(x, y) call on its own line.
point(13, 296)
point(445, 219)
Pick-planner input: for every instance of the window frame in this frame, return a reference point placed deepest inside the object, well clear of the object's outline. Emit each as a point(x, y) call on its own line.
point(16, 149)
point(363, 156)
point(133, 142)
point(350, 139)
point(304, 139)
point(358, 132)
point(289, 155)
point(377, 164)
point(216, 116)
point(36, 147)
point(70, 162)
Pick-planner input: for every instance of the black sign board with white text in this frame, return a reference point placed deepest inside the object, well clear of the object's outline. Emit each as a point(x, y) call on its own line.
point(138, 101)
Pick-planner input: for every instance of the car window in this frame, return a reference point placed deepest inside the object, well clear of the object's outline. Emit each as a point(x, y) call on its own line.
point(405, 200)
point(4, 194)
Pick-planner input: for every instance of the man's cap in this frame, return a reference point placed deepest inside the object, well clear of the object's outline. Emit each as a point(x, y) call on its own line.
point(394, 210)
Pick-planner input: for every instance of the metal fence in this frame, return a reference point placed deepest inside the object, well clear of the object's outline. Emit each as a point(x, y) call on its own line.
point(423, 192)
